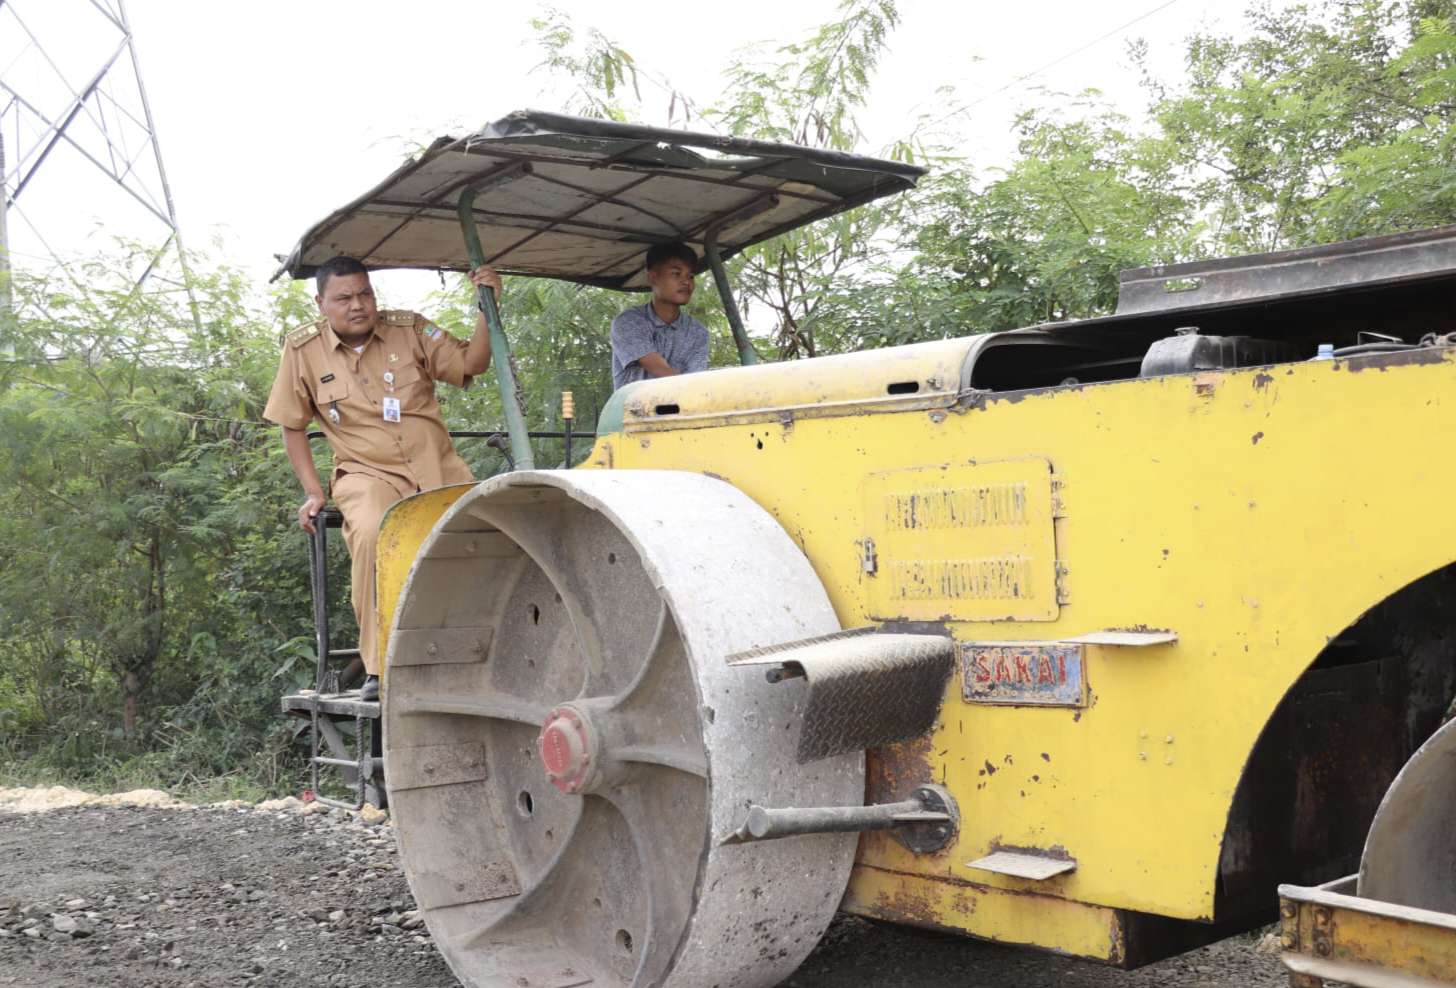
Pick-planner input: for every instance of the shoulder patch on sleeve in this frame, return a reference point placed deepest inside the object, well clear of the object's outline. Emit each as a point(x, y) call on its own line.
point(399, 317)
point(301, 335)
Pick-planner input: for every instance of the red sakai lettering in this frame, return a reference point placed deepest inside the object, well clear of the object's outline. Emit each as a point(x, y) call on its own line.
point(983, 668)
point(1023, 675)
point(1044, 671)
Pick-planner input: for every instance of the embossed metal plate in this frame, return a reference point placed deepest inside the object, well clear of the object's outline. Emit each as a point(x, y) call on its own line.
point(1024, 673)
point(962, 543)
point(866, 689)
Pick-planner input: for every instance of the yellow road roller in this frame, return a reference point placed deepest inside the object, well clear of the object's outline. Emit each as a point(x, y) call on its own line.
point(1082, 637)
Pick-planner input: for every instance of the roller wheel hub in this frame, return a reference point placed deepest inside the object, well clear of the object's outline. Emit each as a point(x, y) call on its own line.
point(568, 749)
point(568, 753)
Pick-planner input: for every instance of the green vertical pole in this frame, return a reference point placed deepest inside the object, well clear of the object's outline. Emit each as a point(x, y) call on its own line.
point(509, 385)
point(746, 354)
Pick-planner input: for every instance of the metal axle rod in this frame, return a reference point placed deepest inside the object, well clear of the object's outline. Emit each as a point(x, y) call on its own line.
point(929, 809)
point(769, 824)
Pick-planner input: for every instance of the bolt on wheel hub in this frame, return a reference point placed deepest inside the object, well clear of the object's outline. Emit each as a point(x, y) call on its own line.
point(567, 748)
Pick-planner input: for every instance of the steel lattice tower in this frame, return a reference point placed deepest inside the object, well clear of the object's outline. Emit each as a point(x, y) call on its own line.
point(76, 92)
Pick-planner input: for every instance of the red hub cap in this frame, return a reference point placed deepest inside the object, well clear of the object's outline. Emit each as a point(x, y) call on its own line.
point(566, 746)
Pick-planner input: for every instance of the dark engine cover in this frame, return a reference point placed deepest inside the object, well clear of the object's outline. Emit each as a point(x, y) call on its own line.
point(1192, 352)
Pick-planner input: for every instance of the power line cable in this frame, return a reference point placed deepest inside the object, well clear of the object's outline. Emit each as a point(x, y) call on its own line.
point(1056, 61)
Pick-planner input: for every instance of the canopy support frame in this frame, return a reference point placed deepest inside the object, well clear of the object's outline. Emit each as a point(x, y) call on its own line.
point(507, 381)
point(747, 355)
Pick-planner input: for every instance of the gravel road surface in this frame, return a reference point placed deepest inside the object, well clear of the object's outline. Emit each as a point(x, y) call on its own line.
point(244, 896)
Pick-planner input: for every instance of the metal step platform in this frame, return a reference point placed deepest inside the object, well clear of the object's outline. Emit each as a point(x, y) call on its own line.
point(344, 731)
point(361, 763)
point(348, 704)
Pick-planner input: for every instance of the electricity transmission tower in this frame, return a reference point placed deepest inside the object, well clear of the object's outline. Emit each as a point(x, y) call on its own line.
point(72, 104)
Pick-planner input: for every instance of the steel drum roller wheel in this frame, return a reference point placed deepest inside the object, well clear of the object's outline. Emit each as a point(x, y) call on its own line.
point(566, 746)
point(1410, 852)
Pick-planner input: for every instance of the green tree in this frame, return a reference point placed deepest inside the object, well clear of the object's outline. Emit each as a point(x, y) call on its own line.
point(1323, 123)
point(1265, 129)
point(806, 92)
point(149, 560)
point(809, 93)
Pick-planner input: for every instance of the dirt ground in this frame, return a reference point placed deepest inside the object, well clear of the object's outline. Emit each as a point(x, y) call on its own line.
point(241, 896)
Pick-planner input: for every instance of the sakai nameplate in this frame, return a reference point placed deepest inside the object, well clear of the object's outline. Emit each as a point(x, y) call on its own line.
point(1049, 674)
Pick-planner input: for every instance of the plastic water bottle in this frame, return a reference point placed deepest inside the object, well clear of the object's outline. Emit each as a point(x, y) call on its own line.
point(1326, 352)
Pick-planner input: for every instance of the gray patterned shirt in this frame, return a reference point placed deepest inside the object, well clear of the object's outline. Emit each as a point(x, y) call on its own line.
point(637, 332)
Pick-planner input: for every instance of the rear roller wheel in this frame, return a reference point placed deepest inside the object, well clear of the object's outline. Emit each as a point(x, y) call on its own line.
point(567, 748)
point(1410, 854)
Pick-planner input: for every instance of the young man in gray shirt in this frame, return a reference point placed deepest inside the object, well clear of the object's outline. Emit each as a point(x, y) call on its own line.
point(659, 339)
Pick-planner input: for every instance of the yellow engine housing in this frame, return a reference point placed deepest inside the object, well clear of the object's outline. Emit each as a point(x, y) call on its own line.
point(1229, 526)
point(1255, 513)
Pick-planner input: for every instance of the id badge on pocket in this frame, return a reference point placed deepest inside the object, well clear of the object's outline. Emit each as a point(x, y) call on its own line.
point(391, 408)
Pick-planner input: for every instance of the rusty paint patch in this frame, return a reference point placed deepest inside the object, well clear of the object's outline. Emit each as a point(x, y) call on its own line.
point(941, 628)
point(1262, 380)
point(901, 897)
point(1056, 852)
point(606, 460)
point(1117, 942)
point(981, 888)
point(964, 904)
point(908, 904)
point(892, 773)
point(1257, 437)
point(1404, 358)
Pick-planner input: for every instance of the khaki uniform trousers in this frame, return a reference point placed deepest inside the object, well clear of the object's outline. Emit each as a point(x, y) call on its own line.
point(364, 500)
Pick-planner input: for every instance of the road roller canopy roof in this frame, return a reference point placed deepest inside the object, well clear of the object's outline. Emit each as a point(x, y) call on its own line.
point(582, 200)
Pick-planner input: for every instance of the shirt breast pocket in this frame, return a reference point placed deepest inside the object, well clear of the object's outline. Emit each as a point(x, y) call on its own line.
point(407, 376)
point(411, 385)
point(327, 393)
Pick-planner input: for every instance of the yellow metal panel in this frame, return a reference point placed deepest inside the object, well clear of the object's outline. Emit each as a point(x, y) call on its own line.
point(1022, 918)
point(1256, 513)
point(893, 379)
point(1360, 941)
point(962, 543)
point(401, 531)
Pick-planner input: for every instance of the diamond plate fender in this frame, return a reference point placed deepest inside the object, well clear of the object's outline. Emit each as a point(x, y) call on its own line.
point(866, 688)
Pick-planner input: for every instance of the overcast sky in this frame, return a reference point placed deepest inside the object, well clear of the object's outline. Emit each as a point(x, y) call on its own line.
point(272, 113)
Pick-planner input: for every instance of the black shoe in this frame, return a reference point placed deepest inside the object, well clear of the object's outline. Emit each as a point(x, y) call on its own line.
point(370, 690)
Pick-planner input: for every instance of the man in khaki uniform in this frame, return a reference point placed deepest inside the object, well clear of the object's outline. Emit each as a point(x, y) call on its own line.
point(369, 376)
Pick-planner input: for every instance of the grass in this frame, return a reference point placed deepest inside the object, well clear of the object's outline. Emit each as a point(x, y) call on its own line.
point(257, 779)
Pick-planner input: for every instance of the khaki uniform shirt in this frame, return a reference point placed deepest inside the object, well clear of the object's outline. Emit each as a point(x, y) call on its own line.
point(320, 374)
